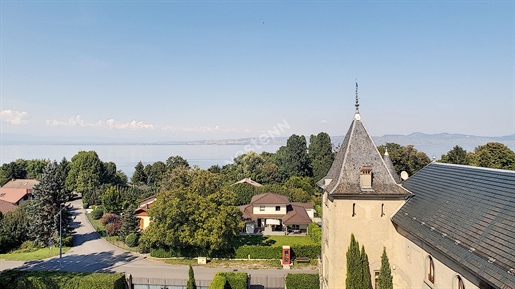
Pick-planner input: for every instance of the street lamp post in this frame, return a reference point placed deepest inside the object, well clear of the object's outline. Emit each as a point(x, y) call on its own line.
point(60, 234)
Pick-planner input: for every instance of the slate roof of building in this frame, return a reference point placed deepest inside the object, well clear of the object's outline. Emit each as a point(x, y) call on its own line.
point(6, 207)
point(358, 150)
point(269, 198)
point(467, 213)
point(12, 195)
point(21, 184)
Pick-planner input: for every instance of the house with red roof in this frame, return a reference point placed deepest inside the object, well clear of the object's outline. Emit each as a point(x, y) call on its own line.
point(273, 213)
point(18, 191)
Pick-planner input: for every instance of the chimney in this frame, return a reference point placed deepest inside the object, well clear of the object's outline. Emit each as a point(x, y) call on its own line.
point(365, 177)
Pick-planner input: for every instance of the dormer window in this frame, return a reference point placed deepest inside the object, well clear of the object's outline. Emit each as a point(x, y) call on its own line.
point(365, 177)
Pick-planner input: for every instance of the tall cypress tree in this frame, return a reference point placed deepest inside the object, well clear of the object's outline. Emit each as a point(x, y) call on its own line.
point(385, 280)
point(191, 280)
point(366, 280)
point(354, 271)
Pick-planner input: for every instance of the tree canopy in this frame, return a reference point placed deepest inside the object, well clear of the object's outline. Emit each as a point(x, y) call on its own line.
point(195, 215)
point(321, 155)
point(406, 158)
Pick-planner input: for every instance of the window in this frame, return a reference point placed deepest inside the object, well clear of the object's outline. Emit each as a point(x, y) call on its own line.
point(261, 208)
point(277, 208)
point(430, 269)
point(382, 210)
point(458, 283)
point(354, 209)
point(376, 278)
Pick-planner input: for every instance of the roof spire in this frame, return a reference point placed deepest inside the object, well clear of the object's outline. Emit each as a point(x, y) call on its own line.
point(357, 102)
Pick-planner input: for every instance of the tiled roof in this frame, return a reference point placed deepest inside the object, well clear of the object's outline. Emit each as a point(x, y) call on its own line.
point(269, 198)
point(296, 215)
point(12, 195)
point(304, 205)
point(6, 207)
point(358, 150)
point(145, 204)
point(467, 213)
point(248, 181)
point(389, 165)
point(21, 184)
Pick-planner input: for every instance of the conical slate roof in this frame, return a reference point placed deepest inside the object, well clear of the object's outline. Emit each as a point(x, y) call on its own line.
point(390, 167)
point(357, 151)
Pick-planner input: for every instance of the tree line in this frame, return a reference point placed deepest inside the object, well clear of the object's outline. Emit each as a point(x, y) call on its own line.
point(292, 171)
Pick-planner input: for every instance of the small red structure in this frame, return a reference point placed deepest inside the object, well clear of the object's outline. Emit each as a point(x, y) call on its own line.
point(286, 260)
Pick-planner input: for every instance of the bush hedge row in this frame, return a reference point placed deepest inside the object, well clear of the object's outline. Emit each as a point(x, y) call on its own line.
point(15, 279)
point(218, 282)
point(243, 252)
point(235, 280)
point(302, 281)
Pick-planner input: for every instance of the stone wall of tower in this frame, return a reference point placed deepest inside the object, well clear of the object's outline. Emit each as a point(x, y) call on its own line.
point(372, 227)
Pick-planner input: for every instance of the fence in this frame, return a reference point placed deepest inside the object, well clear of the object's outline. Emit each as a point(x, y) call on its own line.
point(159, 283)
point(266, 282)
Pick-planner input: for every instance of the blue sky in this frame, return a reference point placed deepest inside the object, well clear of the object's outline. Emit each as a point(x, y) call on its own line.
point(180, 70)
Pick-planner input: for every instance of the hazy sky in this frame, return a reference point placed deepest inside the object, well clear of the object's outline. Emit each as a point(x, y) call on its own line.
point(181, 70)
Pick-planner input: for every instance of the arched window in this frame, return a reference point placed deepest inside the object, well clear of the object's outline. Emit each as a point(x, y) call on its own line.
point(430, 269)
point(458, 283)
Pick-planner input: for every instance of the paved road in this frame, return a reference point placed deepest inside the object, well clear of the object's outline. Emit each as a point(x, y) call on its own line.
point(94, 254)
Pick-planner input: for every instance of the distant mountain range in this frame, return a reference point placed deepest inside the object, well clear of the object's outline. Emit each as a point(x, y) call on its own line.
point(431, 144)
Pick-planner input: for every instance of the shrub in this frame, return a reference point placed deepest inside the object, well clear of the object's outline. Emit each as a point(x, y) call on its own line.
point(97, 213)
point(315, 232)
point(302, 281)
point(14, 279)
point(235, 280)
point(132, 240)
point(113, 228)
point(109, 218)
point(218, 282)
point(68, 241)
point(310, 251)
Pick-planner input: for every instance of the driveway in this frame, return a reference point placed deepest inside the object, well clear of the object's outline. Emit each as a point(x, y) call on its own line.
point(91, 253)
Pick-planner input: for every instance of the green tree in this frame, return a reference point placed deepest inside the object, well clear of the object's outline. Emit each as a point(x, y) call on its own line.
point(130, 223)
point(191, 279)
point(293, 159)
point(13, 170)
point(366, 279)
point(215, 169)
point(35, 168)
point(85, 174)
point(321, 154)
point(457, 155)
point(112, 201)
point(493, 155)
point(14, 229)
point(155, 173)
point(354, 265)
point(385, 280)
point(139, 177)
point(243, 192)
point(195, 215)
point(176, 161)
point(45, 209)
point(406, 158)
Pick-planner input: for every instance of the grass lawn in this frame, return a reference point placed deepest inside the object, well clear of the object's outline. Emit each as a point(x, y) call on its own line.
point(32, 254)
point(274, 240)
point(111, 239)
point(96, 223)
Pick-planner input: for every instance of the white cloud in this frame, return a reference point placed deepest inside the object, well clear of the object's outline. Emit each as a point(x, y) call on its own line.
point(108, 124)
point(14, 116)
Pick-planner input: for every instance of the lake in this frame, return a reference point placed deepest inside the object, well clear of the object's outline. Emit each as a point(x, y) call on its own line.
point(127, 156)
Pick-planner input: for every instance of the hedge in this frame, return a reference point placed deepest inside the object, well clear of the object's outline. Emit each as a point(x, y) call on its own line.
point(235, 280)
point(218, 282)
point(311, 251)
point(15, 279)
point(256, 252)
point(302, 281)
